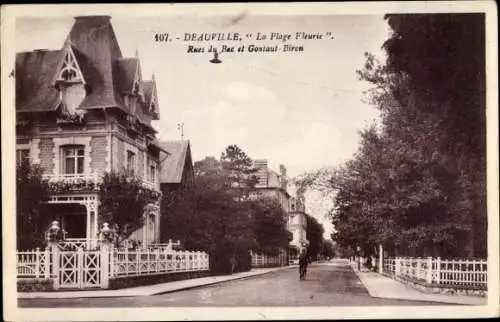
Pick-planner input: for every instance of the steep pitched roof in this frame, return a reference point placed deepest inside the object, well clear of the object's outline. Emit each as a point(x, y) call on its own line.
point(96, 49)
point(94, 42)
point(34, 72)
point(125, 74)
point(107, 75)
point(151, 97)
point(173, 165)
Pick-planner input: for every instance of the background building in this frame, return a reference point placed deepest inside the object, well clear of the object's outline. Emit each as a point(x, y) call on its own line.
point(271, 184)
point(297, 223)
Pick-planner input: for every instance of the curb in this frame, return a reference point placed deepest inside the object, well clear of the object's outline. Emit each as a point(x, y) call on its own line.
point(409, 298)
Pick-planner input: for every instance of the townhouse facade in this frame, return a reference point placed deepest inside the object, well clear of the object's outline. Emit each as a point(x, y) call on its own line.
point(82, 111)
point(275, 185)
point(297, 223)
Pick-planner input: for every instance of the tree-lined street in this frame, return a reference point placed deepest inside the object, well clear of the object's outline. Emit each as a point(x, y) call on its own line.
point(327, 284)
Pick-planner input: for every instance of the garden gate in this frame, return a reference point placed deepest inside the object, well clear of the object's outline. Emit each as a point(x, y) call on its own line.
point(82, 269)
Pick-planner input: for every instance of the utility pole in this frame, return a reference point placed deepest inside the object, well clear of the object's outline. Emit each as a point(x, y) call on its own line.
point(180, 127)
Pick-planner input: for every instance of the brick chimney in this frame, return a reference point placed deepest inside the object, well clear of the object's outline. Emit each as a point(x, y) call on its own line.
point(261, 174)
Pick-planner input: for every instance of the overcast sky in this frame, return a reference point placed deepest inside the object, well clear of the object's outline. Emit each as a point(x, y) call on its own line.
point(299, 109)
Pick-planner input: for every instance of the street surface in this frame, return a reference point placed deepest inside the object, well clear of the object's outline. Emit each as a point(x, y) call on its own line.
point(326, 284)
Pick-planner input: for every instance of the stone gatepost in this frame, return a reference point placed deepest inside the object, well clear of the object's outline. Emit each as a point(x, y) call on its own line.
point(52, 236)
point(105, 240)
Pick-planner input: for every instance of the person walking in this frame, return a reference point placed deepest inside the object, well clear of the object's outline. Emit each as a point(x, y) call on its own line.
point(302, 264)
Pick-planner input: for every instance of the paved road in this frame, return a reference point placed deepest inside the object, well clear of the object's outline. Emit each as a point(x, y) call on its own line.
point(326, 285)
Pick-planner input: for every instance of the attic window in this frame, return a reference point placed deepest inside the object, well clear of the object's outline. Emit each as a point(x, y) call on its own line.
point(70, 72)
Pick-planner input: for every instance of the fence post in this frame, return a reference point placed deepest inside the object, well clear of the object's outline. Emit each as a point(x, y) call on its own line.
point(380, 259)
point(37, 262)
point(54, 249)
point(397, 266)
point(112, 261)
point(157, 260)
point(438, 270)
point(105, 261)
point(47, 264)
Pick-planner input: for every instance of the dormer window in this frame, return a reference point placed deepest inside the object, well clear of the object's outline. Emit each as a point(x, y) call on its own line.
point(70, 71)
point(71, 85)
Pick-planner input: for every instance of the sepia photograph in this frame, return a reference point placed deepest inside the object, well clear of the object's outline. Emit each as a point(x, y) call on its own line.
point(250, 161)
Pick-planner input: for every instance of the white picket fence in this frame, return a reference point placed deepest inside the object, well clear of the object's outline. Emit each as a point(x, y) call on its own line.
point(147, 262)
point(93, 268)
point(436, 271)
point(261, 260)
point(33, 264)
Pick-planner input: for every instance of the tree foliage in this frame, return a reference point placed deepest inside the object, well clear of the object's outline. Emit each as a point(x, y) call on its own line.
point(31, 191)
point(269, 225)
point(122, 203)
point(240, 169)
point(314, 234)
point(417, 182)
point(212, 215)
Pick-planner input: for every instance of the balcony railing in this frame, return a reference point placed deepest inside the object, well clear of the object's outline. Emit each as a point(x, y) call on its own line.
point(149, 185)
point(72, 177)
point(78, 178)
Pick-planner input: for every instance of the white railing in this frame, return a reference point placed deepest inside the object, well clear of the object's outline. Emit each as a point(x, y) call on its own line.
point(76, 243)
point(33, 263)
point(146, 262)
point(169, 245)
point(68, 265)
point(259, 260)
point(437, 271)
point(72, 178)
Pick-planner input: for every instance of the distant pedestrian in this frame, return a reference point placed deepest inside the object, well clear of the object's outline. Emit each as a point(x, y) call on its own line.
point(302, 264)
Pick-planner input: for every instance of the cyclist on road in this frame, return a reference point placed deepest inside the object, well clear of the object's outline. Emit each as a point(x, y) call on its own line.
point(302, 264)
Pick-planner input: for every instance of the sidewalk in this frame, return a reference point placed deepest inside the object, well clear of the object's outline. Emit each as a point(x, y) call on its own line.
point(151, 289)
point(385, 287)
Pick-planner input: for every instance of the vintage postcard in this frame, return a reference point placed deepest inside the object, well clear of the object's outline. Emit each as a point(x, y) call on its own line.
point(250, 161)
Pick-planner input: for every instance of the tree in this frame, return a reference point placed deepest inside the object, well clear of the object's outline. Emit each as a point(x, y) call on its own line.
point(218, 216)
point(444, 58)
point(240, 169)
point(269, 225)
point(122, 203)
point(208, 217)
point(328, 249)
point(31, 191)
point(207, 165)
point(314, 234)
point(417, 183)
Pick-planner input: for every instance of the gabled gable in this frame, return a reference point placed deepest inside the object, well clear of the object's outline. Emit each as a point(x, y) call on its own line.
point(151, 98)
point(137, 81)
point(68, 70)
point(174, 165)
